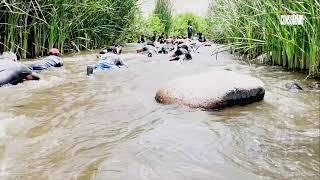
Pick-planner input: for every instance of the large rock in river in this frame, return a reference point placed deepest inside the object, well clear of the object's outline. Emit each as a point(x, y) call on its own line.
point(212, 91)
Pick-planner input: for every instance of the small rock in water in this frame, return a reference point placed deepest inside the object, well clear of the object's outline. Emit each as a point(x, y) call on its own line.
point(212, 91)
point(293, 86)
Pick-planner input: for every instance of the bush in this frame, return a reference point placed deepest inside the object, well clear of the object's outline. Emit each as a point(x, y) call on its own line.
point(181, 22)
point(163, 11)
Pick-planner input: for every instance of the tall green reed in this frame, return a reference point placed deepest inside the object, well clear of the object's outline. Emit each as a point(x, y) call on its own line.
point(253, 28)
point(31, 27)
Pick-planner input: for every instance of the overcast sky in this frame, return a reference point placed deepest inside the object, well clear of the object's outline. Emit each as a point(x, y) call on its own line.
point(199, 7)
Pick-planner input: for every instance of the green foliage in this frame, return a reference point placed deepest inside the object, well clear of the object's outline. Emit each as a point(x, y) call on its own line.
point(156, 25)
point(163, 11)
point(31, 26)
point(181, 22)
point(140, 26)
point(253, 28)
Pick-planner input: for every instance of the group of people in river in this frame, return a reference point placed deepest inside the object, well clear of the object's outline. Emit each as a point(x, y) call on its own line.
point(13, 72)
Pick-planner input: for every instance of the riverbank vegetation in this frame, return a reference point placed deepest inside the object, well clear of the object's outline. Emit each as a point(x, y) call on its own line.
point(253, 28)
point(31, 27)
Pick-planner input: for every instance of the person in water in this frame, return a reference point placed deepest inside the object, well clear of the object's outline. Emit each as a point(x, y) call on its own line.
point(53, 60)
point(141, 40)
point(109, 59)
point(161, 38)
point(154, 37)
point(181, 53)
point(190, 31)
point(168, 47)
point(12, 72)
point(201, 38)
point(149, 50)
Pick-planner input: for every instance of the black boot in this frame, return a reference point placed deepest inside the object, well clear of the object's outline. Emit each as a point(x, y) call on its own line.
point(89, 70)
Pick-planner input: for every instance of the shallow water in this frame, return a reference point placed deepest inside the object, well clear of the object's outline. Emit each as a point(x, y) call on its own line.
point(108, 126)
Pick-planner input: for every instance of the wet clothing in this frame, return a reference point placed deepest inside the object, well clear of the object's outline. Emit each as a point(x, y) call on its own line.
point(13, 72)
point(141, 40)
point(161, 39)
point(182, 54)
point(150, 50)
point(113, 59)
point(166, 48)
point(202, 38)
point(48, 62)
point(153, 38)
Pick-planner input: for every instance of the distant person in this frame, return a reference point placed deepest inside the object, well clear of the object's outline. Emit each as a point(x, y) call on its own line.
point(117, 49)
point(201, 38)
point(181, 54)
point(12, 72)
point(141, 40)
point(149, 50)
point(190, 31)
point(154, 37)
point(108, 59)
point(53, 60)
point(161, 38)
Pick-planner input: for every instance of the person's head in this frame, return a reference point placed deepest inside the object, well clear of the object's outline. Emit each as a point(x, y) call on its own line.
point(142, 36)
point(54, 52)
point(32, 77)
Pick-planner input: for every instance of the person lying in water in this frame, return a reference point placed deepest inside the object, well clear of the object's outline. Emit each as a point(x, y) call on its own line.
point(53, 60)
point(181, 53)
point(149, 50)
point(167, 47)
point(109, 59)
point(12, 72)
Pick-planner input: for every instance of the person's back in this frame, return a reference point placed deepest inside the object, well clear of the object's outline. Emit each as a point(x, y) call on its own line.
point(53, 60)
point(13, 72)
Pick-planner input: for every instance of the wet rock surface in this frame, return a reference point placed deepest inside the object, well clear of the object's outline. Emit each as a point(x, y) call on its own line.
point(212, 91)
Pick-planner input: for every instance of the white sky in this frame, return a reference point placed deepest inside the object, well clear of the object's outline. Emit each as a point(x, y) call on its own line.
point(198, 7)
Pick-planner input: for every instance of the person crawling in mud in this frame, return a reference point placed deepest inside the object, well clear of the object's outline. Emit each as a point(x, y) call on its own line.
point(53, 60)
point(116, 49)
point(12, 72)
point(181, 53)
point(149, 50)
point(109, 59)
point(167, 47)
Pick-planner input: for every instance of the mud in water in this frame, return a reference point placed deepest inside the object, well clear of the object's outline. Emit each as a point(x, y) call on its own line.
point(109, 126)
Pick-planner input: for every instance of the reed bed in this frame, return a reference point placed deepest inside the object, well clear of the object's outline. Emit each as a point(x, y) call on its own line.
point(31, 27)
point(253, 28)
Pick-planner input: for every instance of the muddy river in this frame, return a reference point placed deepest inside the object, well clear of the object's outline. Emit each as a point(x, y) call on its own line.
point(108, 126)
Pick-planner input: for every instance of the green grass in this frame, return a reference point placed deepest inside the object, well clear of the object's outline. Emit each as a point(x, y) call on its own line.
point(253, 28)
point(31, 27)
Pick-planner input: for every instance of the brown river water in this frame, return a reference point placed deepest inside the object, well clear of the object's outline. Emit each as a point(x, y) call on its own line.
point(109, 126)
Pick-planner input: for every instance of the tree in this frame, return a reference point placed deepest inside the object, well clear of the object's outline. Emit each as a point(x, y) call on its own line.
point(163, 11)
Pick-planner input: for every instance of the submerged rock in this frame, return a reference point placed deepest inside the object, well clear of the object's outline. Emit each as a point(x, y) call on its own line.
point(212, 91)
point(293, 86)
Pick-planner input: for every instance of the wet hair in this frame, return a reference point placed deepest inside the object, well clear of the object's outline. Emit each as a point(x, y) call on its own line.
point(50, 53)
